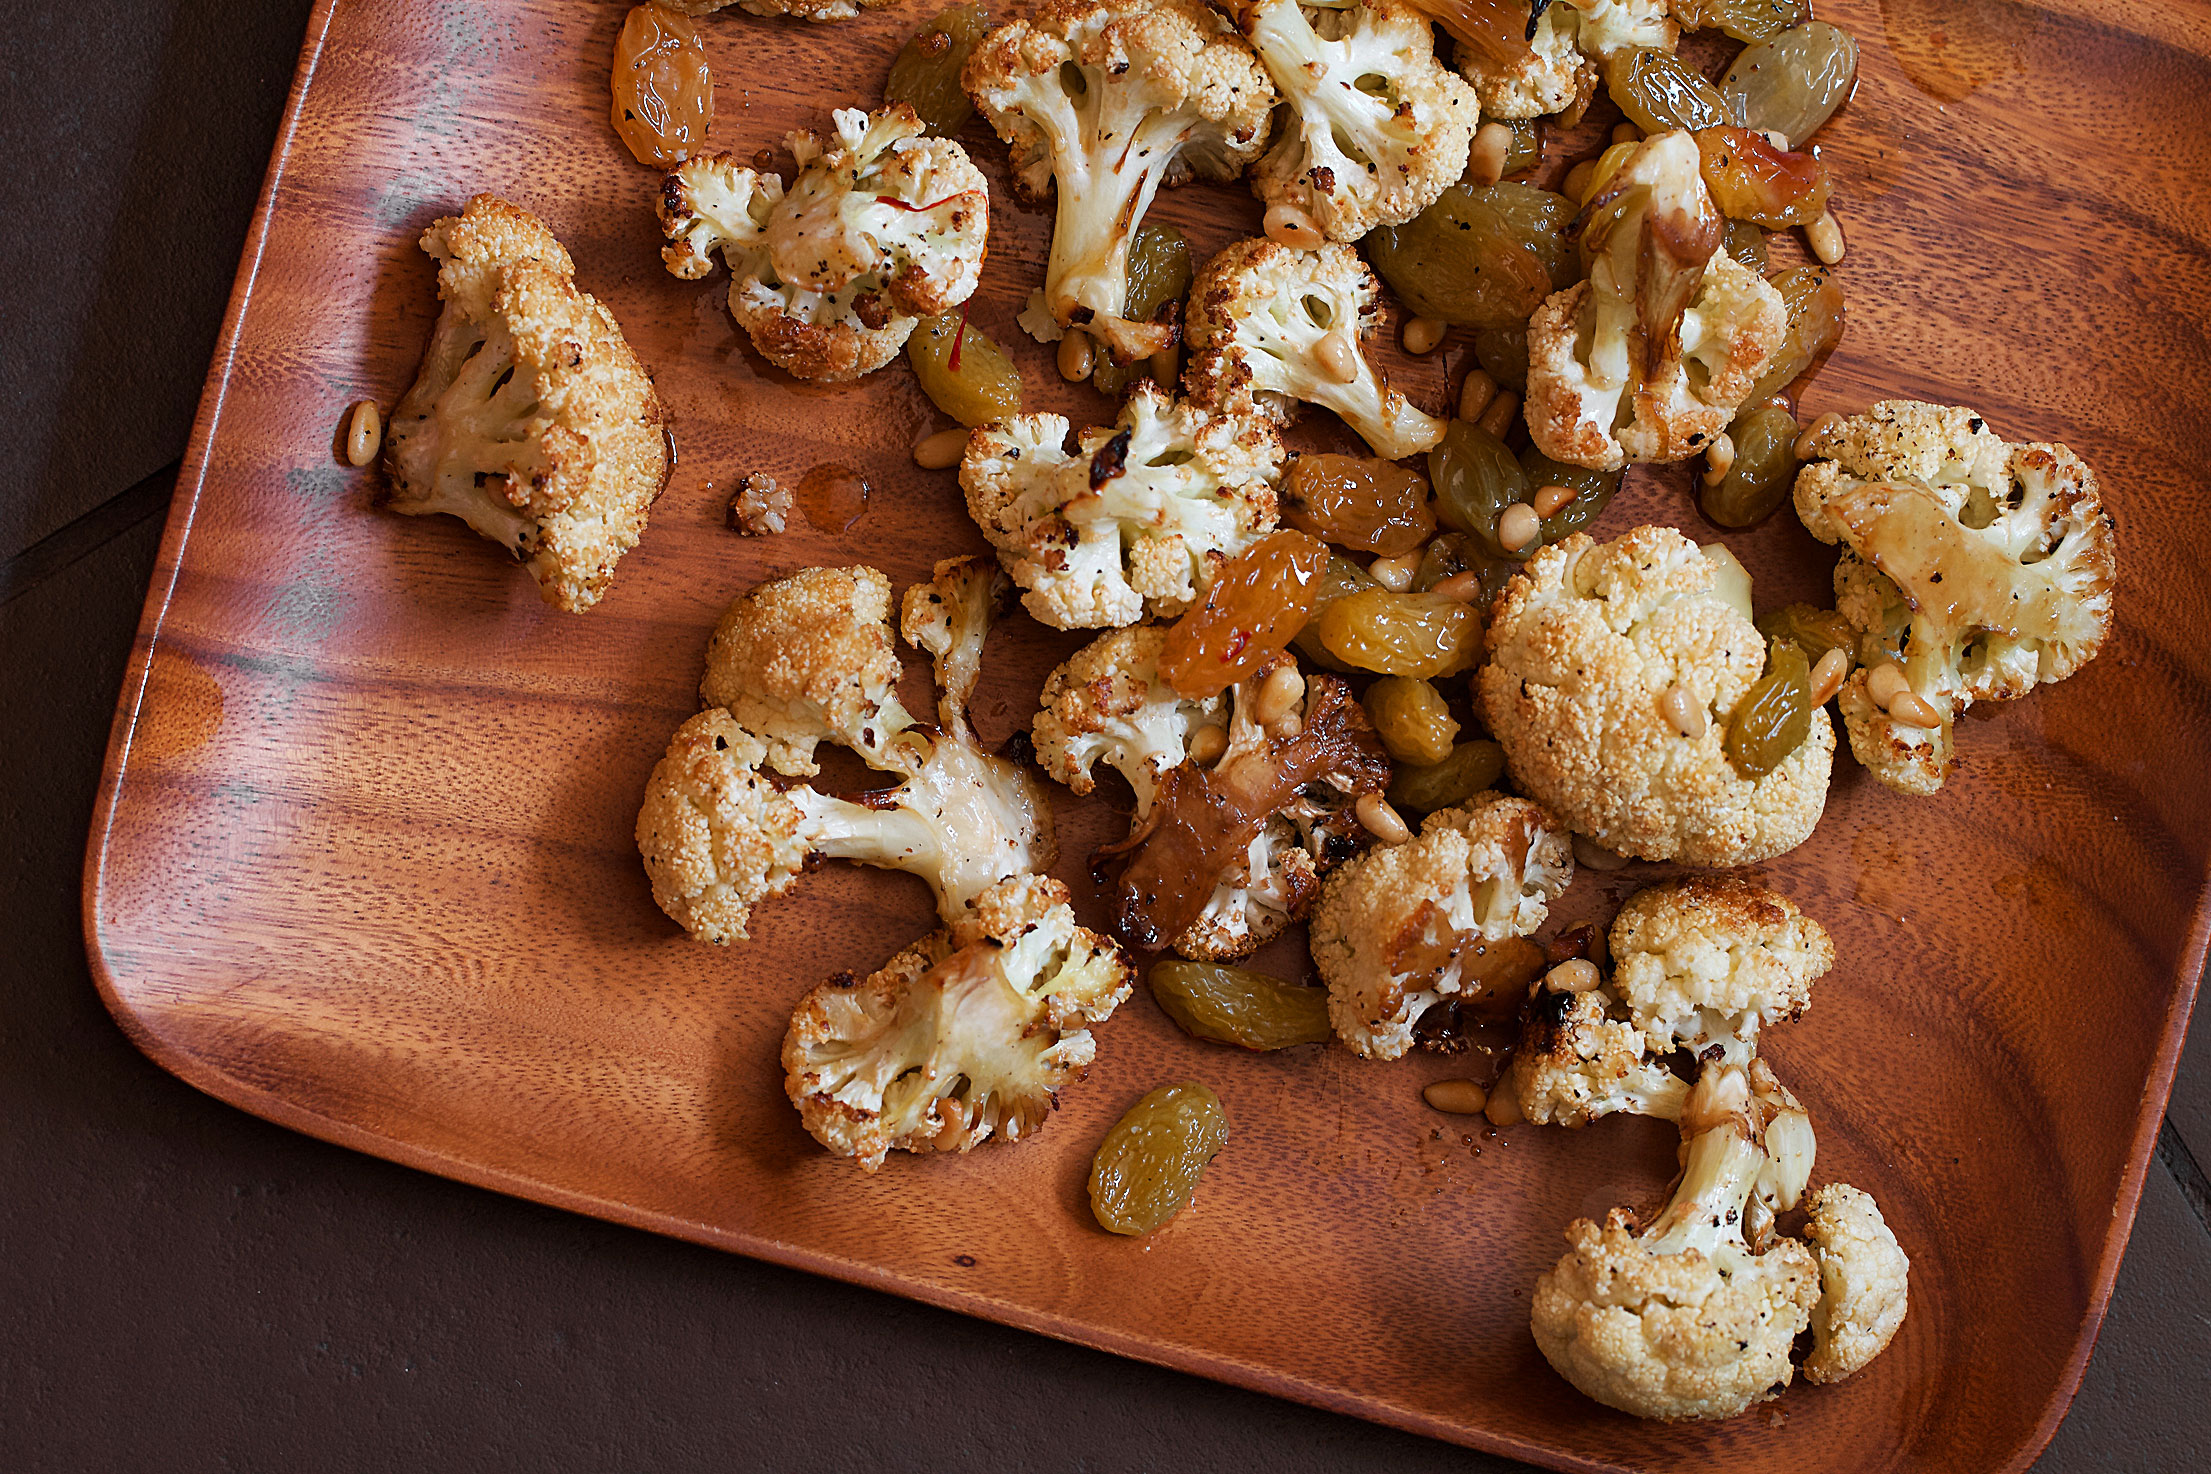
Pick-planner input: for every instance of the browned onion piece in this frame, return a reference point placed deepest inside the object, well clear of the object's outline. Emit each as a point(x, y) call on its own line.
point(1496, 28)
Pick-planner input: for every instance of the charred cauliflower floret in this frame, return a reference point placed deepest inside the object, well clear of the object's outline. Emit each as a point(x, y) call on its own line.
point(1405, 927)
point(802, 9)
point(530, 420)
point(1983, 568)
point(1379, 128)
point(1581, 1058)
point(1683, 1320)
point(1649, 358)
point(1107, 703)
point(1273, 326)
point(1590, 646)
point(961, 1037)
point(1863, 1275)
point(1556, 65)
point(1110, 99)
point(881, 228)
point(809, 657)
point(1704, 963)
point(717, 837)
point(1136, 520)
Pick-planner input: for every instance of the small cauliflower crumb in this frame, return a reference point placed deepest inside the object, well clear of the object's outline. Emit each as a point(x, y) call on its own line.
point(760, 506)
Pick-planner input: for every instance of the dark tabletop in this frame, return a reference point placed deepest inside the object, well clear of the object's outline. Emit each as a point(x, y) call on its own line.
point(185, 1287)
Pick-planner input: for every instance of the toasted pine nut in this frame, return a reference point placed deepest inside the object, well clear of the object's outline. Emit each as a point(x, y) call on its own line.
point(1338, 359)
point(1503, 1108)
point(1076, 357)
point(1208, 743)
point(1806, 444)
point(1778, 139)
point(1423, 335)
point(941, 451)
point(1464, 586)
point(1719, 457)
point(1885, 682)
point(1395, 574)
point(1517, 526)
point(1684, 711)
point(1456, 1097)
point(1626, 132)
point(1166, 368)
point(1286, 726)
point(1577, 180)
point(364, 433)
point(1476, 390)
point(1283, 689)
point(1914, 710)
point(1825, 237)
point(1578, 975)
point(1827, 676)
point(1485, 161)
point(1287, 225)
point(1382, 821)
point(1497, 419)
point(1591, 855)
point(1549, 499)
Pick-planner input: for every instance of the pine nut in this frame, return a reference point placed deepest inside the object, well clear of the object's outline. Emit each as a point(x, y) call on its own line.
point(1485, 161)
point(1338, 359)
point(1806, 447)
point(1497, 419)
point(1287, 225)
point(1719, 458)
point(1456, 1097)
point(1503, 1108)
point(1517, 526)
point(1575, 976)
point(1684, 711)
point(1286, 726)
point(1475, 393)
point(364, 433)
point(941, 451)
point(1464, 587)
point(1548, 500)
point(1423, 335)
point(1885, 682)
point(1624, 132)
point(1825, 237)
point(1577, 180)
point(1394, 574)
point(1207, 743)
point(1591, 855)
point(1827, 677)
point(1166, 368)
point(1914, 710)
point(1076, 357)
point(1382, 821)
point(1283, 689)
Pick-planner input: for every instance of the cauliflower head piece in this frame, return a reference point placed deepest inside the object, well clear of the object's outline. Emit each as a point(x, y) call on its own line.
point(1649, 358)
point(1864, 1281)
point(1273, 326)
point(966, 1035)
point(1356, 158)
point(1584, 644)
point(1558, 64)
point(801, 9)
point(530, 419)
point(1107, 703)
point(716, 836)
point(1401, 928)
point(1982, 567)
point(881, 227)
point(1110, 99)
point(1704, 963)
point(1580, 1057)
point(1137, 519)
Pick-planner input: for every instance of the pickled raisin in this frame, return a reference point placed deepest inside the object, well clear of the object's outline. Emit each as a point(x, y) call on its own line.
point(1752, 180)
point(1341, 577)
point(1479, 257)
point(1375, 506)
point(1593, 490)
point(1814, 300)
point(1792, 84)
point(1745, 20)
point(1660, 92)
point(984, 386)
point(663, 88)
point(925, 74)
point(1526, 149)
point(1814, 631)
point(1148, 1166)
point(1775, 714)
point(1475, 479)
point(1503, 354)
point(1412, 719)
point(1424, 635)
point(1158, 276)
point(1253, 607)
point(1454, 553)
point(1471, 767)
point(1747, 244)
point(1763, 472)
point(1232, 1005)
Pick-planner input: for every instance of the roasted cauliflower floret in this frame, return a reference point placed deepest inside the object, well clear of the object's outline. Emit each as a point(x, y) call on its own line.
point(1585, 644)
point(1403, 927)
point(802, 9)
point(530, 420)
point(808, 657)
point(1681, 1320)
point(1107, 702)
point(1354, 158)
point(950, 617)
point(1863, 1275)
point(1136, 520)
point(717, 837)
point(1704, 963)
point(1273, 326)
point(1982, 567)
point(1556, 65)
point(961, 1037)
point(1666, 336)
point(882, 227)
point(1581, 1058)
point(1110, 99)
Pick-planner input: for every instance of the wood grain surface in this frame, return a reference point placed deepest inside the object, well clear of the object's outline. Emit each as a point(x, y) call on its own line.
point(362, 862)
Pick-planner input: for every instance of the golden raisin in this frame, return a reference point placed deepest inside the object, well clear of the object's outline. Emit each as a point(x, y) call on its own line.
point(1411, 718)
point(1148, 1166)
point(1424, 635)
point(1471, 767)
point(663, 89)
point(1357, 502)
point(1232, 1005)
point(1253, 608)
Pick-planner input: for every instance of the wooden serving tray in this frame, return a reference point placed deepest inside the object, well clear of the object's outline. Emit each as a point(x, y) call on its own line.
point(362, 862)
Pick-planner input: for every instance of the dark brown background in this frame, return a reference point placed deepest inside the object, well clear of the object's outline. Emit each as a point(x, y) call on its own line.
point(185, 1286)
